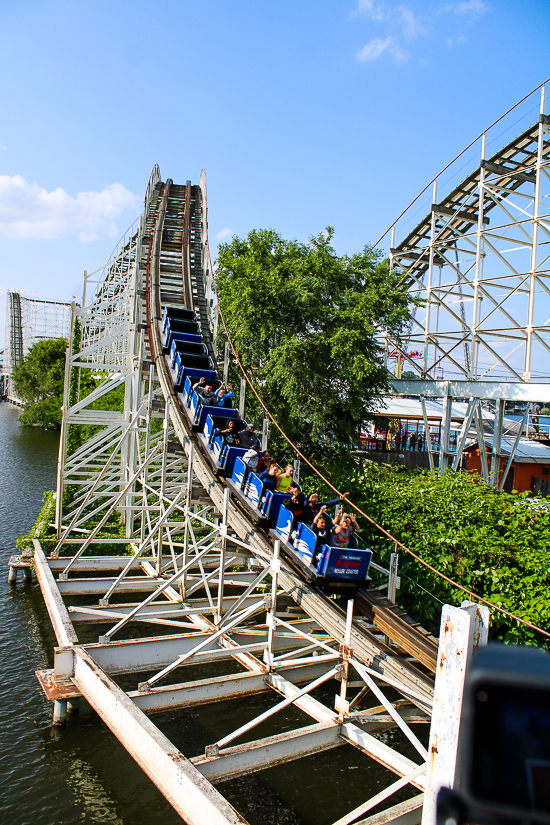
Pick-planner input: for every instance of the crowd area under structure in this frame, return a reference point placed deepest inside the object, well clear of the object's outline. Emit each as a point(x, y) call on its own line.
point(405, 431)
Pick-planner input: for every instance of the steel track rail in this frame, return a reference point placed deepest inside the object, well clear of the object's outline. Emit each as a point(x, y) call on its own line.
point(319, 607)
point(187, 287)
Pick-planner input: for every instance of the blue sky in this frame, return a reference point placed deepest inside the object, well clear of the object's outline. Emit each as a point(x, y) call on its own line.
point(303, 114)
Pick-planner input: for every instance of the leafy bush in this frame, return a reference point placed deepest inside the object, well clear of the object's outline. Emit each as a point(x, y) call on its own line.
point(43, 531)
point(495, 544)
point(41, 528)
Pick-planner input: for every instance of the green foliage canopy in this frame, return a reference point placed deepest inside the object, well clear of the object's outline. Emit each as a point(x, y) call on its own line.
point(303, 321)
point(38, 381)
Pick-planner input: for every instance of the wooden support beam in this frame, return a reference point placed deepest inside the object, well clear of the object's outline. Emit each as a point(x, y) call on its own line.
point(505, 171)
point(463, 214)
point(182, 784)
point(463, 630)
point(405, 813)
point(55, 605)
point(422, 257)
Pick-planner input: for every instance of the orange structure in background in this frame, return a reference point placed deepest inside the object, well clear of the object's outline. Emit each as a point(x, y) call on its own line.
point(530, 468)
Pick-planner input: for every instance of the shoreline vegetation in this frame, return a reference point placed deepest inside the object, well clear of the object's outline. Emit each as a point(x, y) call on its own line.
point(495, 544)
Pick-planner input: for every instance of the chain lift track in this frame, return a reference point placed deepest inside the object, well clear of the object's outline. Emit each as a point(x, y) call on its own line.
point(320, 607)
point(196, 580)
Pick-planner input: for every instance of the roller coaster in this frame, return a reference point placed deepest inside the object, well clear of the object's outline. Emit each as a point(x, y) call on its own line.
point(209, 584)
point(28, 321)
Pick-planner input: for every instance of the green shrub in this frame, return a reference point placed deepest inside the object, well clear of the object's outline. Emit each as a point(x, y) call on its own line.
point(495, 544)
point(41, 528)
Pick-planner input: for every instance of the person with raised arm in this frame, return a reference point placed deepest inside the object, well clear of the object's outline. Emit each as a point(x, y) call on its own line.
point(317, 505)
point(341, 533)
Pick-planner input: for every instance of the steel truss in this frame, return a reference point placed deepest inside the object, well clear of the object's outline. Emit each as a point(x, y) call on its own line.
point(480, 264)
point(29, 320)
point(191, 565)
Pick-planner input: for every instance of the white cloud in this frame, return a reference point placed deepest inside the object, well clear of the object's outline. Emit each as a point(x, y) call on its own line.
point(412, 27)
point(469, 8)
point(224, 233)
point(363, 7)
point(3, 148)
point(376, 47)
point(368, 8)
point(29, 211)
point(399, 20)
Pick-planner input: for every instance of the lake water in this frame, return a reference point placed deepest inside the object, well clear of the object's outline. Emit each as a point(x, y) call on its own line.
point(80, 773)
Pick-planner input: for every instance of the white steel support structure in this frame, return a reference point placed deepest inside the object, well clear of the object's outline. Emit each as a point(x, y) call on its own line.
point(193, 578)
point(28, 321)
point(480, 264)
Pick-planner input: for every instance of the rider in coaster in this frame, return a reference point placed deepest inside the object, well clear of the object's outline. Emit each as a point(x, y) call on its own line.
point(250, 458)
point(298, 505)
point(341, 533)
point(269, 478)
point(206, 395)
point(222, 396)
point(266, 460)
point(229, 434)
point(285, 480)
point(248, 438)
point(321, 528)
point(317, 505)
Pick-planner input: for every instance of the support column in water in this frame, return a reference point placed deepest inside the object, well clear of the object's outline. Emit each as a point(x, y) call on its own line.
point(59, 711)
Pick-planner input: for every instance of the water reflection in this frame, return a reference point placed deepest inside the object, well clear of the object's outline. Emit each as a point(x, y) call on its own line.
point(90, 792)
point(82, 774)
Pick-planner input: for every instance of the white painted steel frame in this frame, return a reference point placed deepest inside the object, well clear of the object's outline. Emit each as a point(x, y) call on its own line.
point(479, 262)
point(152, 478)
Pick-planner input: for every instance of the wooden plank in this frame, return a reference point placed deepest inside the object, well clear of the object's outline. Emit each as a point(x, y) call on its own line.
point(463, 214)
point(399, 627)
point(56, 690)
point(55, 605)
point(266, 753)
point(505, 171)
point(420, 257)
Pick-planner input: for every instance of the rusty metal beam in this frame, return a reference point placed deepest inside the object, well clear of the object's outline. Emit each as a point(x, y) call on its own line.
point(55, 605)
point(193, 797)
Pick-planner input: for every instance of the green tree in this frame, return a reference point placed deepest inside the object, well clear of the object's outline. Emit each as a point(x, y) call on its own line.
point(38, 381)
point(303, 321)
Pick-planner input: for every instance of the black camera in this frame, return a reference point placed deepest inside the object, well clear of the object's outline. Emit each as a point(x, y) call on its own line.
point(504, 741)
